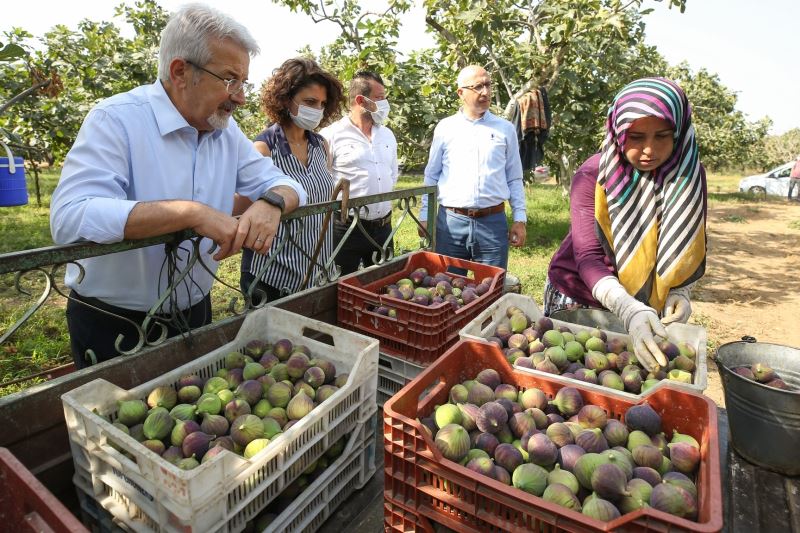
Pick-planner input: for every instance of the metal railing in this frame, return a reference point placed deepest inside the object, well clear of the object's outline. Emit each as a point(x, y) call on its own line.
point(49, 262)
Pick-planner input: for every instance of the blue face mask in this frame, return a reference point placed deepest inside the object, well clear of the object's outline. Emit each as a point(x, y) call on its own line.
point(307, 118)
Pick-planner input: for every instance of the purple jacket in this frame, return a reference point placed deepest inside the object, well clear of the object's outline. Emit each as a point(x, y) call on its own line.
point(581, 262)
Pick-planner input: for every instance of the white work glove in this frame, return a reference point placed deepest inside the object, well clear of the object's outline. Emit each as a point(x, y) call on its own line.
point(640, 320)
point(678, 307)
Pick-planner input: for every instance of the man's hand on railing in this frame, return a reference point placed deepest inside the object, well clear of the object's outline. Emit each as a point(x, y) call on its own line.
point(257, 227)
point(219, 227)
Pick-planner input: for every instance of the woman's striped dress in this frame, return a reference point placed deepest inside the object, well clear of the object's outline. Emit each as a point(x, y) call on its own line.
point(287, 271)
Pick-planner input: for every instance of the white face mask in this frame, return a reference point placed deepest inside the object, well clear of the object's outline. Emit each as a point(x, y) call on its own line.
point(382, 111)
point(307, 118)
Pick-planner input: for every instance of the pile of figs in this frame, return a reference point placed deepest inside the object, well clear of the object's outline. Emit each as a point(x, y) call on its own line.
point(423, 288)
point(586, 355)
point(254, 397)
point(763, 374)
point(265, 518)
point(569, 452)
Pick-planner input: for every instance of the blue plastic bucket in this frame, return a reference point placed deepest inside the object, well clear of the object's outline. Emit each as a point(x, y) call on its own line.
point(12, 182)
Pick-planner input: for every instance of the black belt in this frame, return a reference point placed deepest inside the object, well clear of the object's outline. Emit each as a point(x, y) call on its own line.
point(376, 223)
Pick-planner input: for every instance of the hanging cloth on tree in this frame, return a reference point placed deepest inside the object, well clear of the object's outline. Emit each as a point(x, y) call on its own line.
point(533, 126)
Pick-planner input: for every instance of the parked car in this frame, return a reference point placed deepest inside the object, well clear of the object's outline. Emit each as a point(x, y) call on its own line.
point(773, 183)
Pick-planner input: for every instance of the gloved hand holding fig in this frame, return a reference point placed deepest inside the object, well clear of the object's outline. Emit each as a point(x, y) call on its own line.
point(642, 328)
point(678, 307)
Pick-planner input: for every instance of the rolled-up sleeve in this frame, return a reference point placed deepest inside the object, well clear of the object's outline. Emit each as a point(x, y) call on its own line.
point(257, 174)
point(91, 200)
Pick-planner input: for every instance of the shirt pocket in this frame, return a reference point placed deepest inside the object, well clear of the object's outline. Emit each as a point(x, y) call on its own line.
point(495, 155)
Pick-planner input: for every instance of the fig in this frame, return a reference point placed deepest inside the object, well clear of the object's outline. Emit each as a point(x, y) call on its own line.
point(533, 398)
point(489, 377)
point(250, 391)
point(544, 324)
point(255, 446)
point(660, 441)
point(531, 478)
point(684, 363)
point(172, 455)
point(600, 509)
point(214, 385)
point(648, 455)
point(522, 423)
point(214, 425)
point(682, 481)
point(632, 382)
point(190, 380)
point(564, 477)
point(158, 425)
point(573, 350)
point(453, 442)
point(673, 500)
point(447, 414)
point(481, 465)
point(592, 416)
point(504, 434)
point(644, 418)
point(234, 377)
point(507, 456)
point(261, 408)
point(236, 408)
point(475, 453)
point(501, 475)
point(164, 396)
point(213, 451)
point(596, 361)
point(638, 438)
point(647, 474)
point(560, 494)
point(252, 371)
point(234, 360)
point(616, 433)
point(189, 394)
point(649, 384)
point(745, 372)
point(458, 394)
point(679, 375)
point(560, 434)
point(469, 414)
point(778, 383)
point(301, 404)
point(666, 466)
point(271, 427)
point(609, 482)
point(568, 455)
point(568, 400)
point(504, 390)
point(132, 412)
point(480, 394)
point(279, 372)
point(592, 440)
point(246, 428)
point(282, 349)
point(491, 416)
point(196, 444)
point(669, 349)
point(487, 442)
point(518, 323)
point(155, 446)
point(596, 344)
point(761, 372)
point(553, 338)
point(557, 356)
point(279, 395)
point(585, 466)
point(541, 450)
point(188, 463)
point(181, 430)
point(586, 375)
point(137, 432)
point(612, 380)
point(684, 457)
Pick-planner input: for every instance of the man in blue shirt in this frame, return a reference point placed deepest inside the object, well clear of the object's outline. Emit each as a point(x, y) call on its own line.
point(474, 160)
point(159, 159)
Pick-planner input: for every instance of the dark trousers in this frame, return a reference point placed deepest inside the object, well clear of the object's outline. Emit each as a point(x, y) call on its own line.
point(246, 278)
point(95, 330)
point(794, 182)
point(357, 248)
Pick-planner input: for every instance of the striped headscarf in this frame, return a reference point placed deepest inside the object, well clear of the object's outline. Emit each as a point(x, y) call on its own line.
point(652, 224)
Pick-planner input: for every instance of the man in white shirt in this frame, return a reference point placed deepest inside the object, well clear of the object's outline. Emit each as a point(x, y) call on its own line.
point(474, 160)
point(364, 151)
point(160, 159)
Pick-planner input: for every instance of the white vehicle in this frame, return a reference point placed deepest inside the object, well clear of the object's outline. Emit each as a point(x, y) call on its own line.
point(773, 183)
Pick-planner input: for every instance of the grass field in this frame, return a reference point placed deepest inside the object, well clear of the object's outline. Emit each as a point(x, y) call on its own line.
point(43, 343)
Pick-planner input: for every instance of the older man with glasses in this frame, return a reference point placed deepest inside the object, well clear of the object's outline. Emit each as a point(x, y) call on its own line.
point(159, 159)
point(474, 160)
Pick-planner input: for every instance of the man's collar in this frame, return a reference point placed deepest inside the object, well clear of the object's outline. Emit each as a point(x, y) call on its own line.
point(485, 115)
point(167, 115)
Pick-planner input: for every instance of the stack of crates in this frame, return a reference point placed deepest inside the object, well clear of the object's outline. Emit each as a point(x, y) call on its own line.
point(144, 492)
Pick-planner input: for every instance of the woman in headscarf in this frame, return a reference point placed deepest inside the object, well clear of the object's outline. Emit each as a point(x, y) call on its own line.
point(637, 241)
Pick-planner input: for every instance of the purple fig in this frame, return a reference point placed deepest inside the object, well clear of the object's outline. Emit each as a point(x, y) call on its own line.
point(480, 394)
point(682, 481)
point(568, 401)
point(647, 455)
point(469, 415)
point(544, 324)
point(616, 433)
point(173, 454)
point(521, 423)
point(541, 450)
point(246, 428)
point(669, 349)
point(481, 465)
point(592, 416)
point(489, 377)
point(684, 457)
point(249, 391)
point(491, 417)
point(560, 434)
point(586, 375)
point(778, 383)
point(609, 482)
point(507, 456)
point(501, 475)
point(644, 418)
point(648, 474)
point(745, 372)
point(568, 455)
point(585, 466)
point(190, 380)
point(592, 440)
point(486, 442)
point(673, 500)
point(196, 444)
point(214, 425)
point(761, 372)
point(539, 418)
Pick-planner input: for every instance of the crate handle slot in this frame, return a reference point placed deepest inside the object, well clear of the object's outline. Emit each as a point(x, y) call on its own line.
point(115, 453)
point(319, 336)
point(428, 396)
point(486, 323)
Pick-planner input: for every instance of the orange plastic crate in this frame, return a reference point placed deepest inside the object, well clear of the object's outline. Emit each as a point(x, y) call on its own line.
point(418, 333)
point(420, 479)
point(26, 505)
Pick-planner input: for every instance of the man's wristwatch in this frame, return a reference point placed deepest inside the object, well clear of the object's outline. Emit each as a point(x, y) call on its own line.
point(275, 199)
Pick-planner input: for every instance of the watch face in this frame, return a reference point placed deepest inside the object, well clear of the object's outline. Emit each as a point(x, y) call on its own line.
point(275, 199)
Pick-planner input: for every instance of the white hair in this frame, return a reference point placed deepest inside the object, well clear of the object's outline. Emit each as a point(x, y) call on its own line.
point(189, 31)
point(467, 73)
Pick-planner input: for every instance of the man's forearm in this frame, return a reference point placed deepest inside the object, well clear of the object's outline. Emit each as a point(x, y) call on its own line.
point(148, 219)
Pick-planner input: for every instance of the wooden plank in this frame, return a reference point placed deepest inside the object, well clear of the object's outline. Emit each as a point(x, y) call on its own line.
point(769, 495)
point(792, 487)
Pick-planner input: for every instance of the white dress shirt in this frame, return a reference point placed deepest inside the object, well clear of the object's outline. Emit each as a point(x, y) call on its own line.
point(136, 147)
point(369, 165)
point(475, 164)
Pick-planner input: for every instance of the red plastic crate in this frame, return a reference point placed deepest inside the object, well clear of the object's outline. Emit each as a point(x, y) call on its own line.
point(418, 333)
point(26, 505)
point(420, 479)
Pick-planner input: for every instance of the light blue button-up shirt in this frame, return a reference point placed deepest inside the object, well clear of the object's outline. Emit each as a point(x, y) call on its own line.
point(475, 164)
point(136, 147)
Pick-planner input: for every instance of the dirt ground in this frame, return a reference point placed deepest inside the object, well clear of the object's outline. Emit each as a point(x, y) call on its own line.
point(752, 280)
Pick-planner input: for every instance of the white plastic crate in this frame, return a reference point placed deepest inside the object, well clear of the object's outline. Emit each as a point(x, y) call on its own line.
point(109, 511)
point(393, 374)
point(484, 325)
point(208, 497)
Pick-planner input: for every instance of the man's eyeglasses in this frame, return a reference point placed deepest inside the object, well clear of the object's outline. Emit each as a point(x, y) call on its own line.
point(232, 85)
point(479, 87)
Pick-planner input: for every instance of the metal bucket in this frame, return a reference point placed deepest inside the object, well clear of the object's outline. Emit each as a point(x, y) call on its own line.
point(764, 421)
point(593, 318)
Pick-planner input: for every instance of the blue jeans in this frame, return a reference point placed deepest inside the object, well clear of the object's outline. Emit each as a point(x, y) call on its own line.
point(483, 240)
